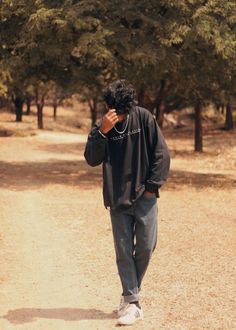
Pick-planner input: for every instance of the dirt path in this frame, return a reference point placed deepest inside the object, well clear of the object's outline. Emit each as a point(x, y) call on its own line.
point(57, 268)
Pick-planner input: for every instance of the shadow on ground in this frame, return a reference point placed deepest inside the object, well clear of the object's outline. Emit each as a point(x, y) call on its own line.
point(78, 149)
point(24, 315)
point(32, 175)
point(75, 148)
point(180, 178)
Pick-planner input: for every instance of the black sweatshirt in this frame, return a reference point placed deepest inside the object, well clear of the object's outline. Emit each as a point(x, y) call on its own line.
point(134, 161)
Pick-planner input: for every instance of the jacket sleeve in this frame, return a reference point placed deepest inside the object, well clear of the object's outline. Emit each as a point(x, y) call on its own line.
point(159, 157)
point(95, 149)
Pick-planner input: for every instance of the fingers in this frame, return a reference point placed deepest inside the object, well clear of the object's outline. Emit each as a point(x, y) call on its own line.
point(112, 110)
point(111, 113)
point(109, 120)
point(113, 120)
point(112, 116)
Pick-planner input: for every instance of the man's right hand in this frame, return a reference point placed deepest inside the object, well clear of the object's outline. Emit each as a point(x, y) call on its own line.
point(108, 121)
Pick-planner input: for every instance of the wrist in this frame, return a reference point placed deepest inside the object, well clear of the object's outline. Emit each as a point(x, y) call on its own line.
point(101, 133)
point(146, 192)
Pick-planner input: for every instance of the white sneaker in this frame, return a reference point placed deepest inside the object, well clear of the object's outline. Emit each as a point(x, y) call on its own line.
point(122, 307)
point(131, 314)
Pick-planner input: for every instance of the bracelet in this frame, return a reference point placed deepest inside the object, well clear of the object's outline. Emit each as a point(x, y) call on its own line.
point(102, 134)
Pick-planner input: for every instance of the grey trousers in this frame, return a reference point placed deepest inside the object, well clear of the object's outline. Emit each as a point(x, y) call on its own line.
point(135, 237)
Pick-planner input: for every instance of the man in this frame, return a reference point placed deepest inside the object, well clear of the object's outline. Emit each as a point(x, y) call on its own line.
point(135, 158)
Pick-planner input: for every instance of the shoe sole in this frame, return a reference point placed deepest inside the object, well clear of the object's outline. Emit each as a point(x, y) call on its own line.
point(126, 323)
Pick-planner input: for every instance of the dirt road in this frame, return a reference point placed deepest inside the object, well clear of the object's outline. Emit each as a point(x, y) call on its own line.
point(57, 268)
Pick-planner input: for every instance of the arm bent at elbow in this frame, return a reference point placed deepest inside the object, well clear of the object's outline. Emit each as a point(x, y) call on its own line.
point(95, 149)
point(160, 160)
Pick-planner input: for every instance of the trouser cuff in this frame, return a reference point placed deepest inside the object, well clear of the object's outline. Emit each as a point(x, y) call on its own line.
point(131, 298)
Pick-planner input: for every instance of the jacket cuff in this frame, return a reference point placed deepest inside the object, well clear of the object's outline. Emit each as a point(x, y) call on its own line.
point(152, 188)
point(99, 136)
point(104, 136)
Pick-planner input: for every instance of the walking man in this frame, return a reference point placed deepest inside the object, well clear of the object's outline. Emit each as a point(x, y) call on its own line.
point(135, 158)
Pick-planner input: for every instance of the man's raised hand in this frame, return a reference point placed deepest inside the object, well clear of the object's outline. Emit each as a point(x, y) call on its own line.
point(108, 121)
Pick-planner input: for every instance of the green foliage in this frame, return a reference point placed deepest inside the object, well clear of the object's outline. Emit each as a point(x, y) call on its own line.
point(4, 79)
point(81, 45)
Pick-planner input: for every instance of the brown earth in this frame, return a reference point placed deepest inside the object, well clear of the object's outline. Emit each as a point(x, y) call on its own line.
point(58, 267)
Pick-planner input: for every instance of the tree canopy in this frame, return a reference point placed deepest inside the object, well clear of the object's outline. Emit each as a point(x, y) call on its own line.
point(179, 53)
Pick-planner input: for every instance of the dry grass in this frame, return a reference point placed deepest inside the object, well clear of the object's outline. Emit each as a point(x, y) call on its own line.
point(57, 258)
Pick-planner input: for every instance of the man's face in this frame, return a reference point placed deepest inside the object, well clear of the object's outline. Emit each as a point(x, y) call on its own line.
point(121, 116)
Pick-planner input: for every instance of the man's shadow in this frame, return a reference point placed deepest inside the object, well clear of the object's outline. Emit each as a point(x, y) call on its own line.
point(24, 315)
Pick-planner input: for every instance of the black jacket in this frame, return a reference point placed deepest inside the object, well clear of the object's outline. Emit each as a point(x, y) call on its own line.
point(134, 161)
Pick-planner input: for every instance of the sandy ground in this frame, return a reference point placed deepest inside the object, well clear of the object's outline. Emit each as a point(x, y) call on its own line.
point(58, 269)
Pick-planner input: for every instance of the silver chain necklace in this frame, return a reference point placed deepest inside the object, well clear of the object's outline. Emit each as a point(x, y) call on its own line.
point(121, 132)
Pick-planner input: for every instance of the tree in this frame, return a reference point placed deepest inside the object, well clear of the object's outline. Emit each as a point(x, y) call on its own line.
point(55, 96)
point(32, 52)
point(14, 15)
point(174, 48)
point(175, 53)
point(92, 60)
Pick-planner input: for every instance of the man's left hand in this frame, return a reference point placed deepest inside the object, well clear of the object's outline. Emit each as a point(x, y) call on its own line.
point(148, 194)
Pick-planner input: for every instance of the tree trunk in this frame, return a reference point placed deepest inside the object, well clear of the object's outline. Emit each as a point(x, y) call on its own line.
point(18, 101)
point(93, 110)
point(161, 112)
point(145, 101)
point(28, 104)
point(222, 108)
point(4, 102)
point(40, 115)
point(39, 104)
point(141, 96)
point(55, 111)
point(158, 104)
point(198, 127)
point(229, 124)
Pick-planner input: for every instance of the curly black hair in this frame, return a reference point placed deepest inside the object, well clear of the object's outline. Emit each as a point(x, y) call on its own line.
point(120, 95)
